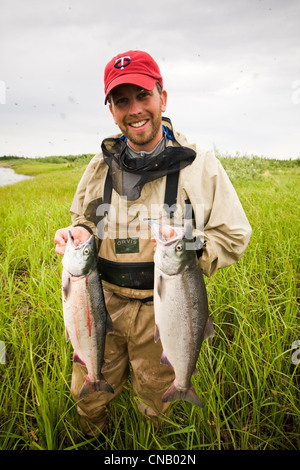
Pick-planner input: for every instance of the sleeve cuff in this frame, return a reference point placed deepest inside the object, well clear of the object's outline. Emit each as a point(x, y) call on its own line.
point(86, 227)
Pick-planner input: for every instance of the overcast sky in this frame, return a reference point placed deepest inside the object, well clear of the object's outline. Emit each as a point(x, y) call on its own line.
point(231, 69)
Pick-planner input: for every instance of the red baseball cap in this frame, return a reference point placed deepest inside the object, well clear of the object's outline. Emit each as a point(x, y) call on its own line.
point(135, 67)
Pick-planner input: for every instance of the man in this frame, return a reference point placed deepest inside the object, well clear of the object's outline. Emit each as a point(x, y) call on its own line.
point(148, 170)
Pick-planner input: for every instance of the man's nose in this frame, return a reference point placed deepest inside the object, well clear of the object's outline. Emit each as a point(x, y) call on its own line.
point(135, 106)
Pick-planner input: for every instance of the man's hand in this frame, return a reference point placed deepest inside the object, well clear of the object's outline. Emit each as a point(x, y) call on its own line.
point(166, 233)
point(80, 235)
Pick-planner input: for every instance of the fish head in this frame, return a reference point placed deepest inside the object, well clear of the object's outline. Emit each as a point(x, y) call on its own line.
point(175, 248)
point(79, 260)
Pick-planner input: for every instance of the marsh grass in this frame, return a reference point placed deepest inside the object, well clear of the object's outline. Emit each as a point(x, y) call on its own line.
point(247, 381)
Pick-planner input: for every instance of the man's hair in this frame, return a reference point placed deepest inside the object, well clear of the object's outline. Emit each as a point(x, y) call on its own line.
point(158, 86)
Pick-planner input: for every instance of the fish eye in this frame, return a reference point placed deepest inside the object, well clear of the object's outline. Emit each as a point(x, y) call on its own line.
point(86, 251)
point(179, 247)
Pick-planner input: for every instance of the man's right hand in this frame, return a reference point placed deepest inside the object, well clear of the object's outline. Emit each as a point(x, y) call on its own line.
point(80, 235)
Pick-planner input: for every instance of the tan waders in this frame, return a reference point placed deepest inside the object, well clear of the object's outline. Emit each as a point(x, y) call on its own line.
point(131, 343)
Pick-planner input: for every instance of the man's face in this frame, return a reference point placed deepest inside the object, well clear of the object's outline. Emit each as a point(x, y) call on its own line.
point(137, 112)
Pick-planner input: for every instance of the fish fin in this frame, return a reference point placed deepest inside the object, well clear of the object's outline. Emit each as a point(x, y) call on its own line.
point(76, 359)
point(159, 286)
point(67, 335)
point(109, 324)
point(99, 386)
point(70, 236)
point(165, 360)
point(190, 395)
point(66, 287)
point(156, 333)
point(209, 331)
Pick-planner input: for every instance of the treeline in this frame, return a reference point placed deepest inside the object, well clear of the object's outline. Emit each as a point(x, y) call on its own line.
point(228, 160)
point(84, 158)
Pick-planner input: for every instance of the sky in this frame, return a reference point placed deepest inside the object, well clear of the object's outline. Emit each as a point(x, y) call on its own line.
point(231, 69)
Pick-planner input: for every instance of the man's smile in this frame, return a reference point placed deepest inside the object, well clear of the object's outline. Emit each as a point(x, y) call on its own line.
point(138, 124)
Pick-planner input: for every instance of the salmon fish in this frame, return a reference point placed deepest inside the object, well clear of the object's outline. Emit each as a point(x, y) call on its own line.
point(182, 319)
point(85, 316)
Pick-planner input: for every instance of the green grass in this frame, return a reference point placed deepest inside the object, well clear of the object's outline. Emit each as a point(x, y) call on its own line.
point(247, 381)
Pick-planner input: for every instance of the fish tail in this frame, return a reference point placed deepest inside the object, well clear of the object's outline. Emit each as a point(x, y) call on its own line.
point(99, 386)
point(189, 395)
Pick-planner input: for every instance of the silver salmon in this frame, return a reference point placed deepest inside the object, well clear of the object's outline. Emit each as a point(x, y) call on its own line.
point(182, 320)
point(85, 316)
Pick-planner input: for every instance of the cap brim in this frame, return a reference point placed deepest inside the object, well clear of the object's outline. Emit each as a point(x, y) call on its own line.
point(144, 81)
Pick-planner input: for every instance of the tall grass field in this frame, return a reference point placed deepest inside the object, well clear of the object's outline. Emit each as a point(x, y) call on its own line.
point(249, 373)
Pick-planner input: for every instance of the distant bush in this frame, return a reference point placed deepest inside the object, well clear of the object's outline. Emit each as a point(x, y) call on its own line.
point(80, 159)
point(11, 157)
point(253, 167)
point(85, 158)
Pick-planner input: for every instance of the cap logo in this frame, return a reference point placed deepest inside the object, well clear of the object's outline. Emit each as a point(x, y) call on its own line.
point(122, 62)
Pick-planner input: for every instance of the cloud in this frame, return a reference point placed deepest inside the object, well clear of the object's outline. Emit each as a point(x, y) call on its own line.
point(230, 69)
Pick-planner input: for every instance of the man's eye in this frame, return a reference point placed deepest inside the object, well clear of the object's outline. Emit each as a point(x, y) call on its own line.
point(121, 101)
point(144, 94)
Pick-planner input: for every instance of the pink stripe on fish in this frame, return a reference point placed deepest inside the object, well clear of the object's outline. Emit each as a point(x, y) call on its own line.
point(89, 318)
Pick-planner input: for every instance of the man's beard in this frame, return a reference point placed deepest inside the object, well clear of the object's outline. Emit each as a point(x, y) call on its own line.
point(143, 139)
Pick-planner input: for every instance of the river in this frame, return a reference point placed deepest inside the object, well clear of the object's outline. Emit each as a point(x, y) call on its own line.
point(8, 176)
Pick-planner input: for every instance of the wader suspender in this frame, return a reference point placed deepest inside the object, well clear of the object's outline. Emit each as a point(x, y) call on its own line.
point(171, 192)
point(107, 189)
point(170, 205)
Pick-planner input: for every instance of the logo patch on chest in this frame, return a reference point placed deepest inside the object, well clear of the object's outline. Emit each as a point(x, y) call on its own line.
point(127, 245)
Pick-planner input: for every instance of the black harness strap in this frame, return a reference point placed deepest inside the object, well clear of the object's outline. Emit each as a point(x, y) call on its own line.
point(171, 193)
point(107, 189)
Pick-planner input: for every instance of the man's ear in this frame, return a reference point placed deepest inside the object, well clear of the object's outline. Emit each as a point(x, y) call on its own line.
point(112, 112)
point(163, 98)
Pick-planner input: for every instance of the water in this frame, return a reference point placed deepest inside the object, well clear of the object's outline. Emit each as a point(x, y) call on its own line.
point(8, 176)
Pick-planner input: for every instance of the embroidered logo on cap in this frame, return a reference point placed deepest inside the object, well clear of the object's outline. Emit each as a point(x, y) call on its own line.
point(122, 62)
